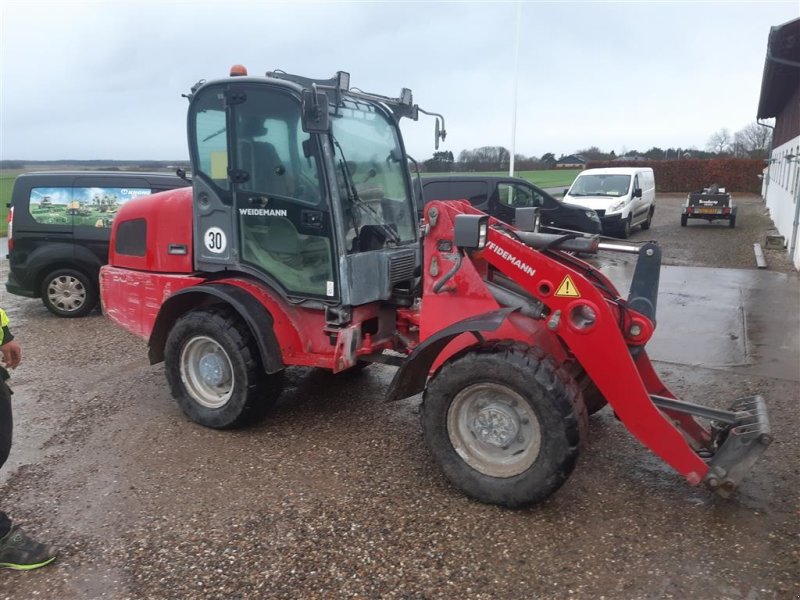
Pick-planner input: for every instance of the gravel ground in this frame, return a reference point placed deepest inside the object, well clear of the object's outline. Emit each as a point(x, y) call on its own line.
point(335, 495)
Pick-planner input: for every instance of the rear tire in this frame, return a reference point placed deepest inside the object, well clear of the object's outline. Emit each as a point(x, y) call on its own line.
point(684, 220)
point(732, 222)
point(649, 220)
point(68, 293)
point(505, 423)
point(214, 370)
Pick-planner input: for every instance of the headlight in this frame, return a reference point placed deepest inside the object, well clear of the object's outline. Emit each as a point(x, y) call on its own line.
point(483, 230)
point(592, 215)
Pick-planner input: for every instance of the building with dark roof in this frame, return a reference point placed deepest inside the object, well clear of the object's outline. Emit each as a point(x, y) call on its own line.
point(780, 100)
point(573, 161)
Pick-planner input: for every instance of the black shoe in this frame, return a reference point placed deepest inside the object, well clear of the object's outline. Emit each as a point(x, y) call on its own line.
point(18, 551)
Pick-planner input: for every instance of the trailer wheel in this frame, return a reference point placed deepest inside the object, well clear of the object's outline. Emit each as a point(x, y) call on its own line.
point(684, 220)
point(68, 293)
point(504, 423)
point(214, 370)
point(649, 220)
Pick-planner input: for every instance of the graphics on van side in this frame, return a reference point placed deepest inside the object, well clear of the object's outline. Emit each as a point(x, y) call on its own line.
point(80, 206)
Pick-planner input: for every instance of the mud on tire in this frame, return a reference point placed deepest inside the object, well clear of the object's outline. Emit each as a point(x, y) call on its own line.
point(474, 415)
point(214, 370)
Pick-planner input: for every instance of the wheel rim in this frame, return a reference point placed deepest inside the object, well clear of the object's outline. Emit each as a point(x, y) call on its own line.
point(207, 372)
point(494, 430)
point(67, 293)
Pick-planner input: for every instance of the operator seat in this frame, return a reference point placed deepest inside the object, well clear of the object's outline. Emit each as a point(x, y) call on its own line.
point(260, 159)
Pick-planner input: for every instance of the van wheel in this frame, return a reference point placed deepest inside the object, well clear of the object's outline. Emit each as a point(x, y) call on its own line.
point(646, 224)
point(68, 293)
point(732, 222)
point(684, 220)
point(625, 232)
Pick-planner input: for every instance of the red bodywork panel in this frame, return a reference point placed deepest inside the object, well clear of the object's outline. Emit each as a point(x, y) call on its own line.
point(168, 217)
point(133, 299)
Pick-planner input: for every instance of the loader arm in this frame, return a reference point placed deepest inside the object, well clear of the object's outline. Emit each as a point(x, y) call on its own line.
point(607, 337)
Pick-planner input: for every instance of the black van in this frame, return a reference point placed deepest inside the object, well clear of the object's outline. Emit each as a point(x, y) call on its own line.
point(59, 228)
point(501, 196)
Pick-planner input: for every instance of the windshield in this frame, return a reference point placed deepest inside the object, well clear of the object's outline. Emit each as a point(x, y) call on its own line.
point(601, 185)
point(370, 173)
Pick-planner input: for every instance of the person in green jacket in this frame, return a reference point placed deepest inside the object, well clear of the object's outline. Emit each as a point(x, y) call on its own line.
point(17, 550)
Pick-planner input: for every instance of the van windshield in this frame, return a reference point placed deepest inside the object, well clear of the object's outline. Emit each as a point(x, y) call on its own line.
point(601, 185)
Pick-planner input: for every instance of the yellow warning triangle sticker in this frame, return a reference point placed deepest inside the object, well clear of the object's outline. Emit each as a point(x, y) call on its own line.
point(567, 289)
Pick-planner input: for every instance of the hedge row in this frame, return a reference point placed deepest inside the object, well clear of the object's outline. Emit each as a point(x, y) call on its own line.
point(686, 175)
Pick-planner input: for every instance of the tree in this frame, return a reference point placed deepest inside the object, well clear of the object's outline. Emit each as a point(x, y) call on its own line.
point(592, 153)
point(754, 140)
point(487, 158)
point(720, 141)
point(655, 153)
point(441, 161)
point(548, 158)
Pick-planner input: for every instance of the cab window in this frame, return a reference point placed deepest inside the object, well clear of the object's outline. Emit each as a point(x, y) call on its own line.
point(211, 133)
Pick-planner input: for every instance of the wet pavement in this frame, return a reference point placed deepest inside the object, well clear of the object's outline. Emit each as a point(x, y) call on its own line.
point(741, 319)
point(335, 496)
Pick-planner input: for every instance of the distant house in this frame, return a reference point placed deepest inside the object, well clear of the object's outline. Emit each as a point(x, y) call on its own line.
point(780, 99)
point(629, 158)
point(570, 162)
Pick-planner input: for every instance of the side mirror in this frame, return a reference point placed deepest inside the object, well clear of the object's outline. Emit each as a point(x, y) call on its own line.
point(637, 193)
point(315, 112)
point(565, 191)
point(526, 218)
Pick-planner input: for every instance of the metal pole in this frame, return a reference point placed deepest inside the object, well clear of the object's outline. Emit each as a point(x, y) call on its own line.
point(516, 84)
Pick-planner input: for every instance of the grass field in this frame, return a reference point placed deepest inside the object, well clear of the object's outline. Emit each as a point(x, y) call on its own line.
point(544, 179)
point(6, 183)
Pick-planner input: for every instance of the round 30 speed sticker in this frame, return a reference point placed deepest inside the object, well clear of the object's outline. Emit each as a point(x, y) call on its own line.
point(215, 240)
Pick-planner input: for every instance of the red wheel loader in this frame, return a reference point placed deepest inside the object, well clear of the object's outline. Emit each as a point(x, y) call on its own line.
point(298, 244)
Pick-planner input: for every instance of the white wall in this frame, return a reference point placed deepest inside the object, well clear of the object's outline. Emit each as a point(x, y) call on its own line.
point(784, 181)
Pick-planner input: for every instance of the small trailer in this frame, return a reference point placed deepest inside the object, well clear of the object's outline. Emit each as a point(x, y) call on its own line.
point(710, 203)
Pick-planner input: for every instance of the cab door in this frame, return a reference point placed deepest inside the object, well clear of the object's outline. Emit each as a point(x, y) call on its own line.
point(285, 229)
point(260, 200)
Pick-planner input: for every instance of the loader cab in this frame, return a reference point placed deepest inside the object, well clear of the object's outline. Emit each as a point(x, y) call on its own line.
point(321, 217)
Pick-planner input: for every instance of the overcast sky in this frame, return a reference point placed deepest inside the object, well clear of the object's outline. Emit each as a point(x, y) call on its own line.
point(88, 80)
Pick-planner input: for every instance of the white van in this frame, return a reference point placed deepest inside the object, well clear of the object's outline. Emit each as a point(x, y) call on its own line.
point(622, 197)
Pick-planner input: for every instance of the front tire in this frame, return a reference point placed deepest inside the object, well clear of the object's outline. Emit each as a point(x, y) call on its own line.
point(214, 370)
point(504, 423)
point(625, 232)
point(68, 293)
